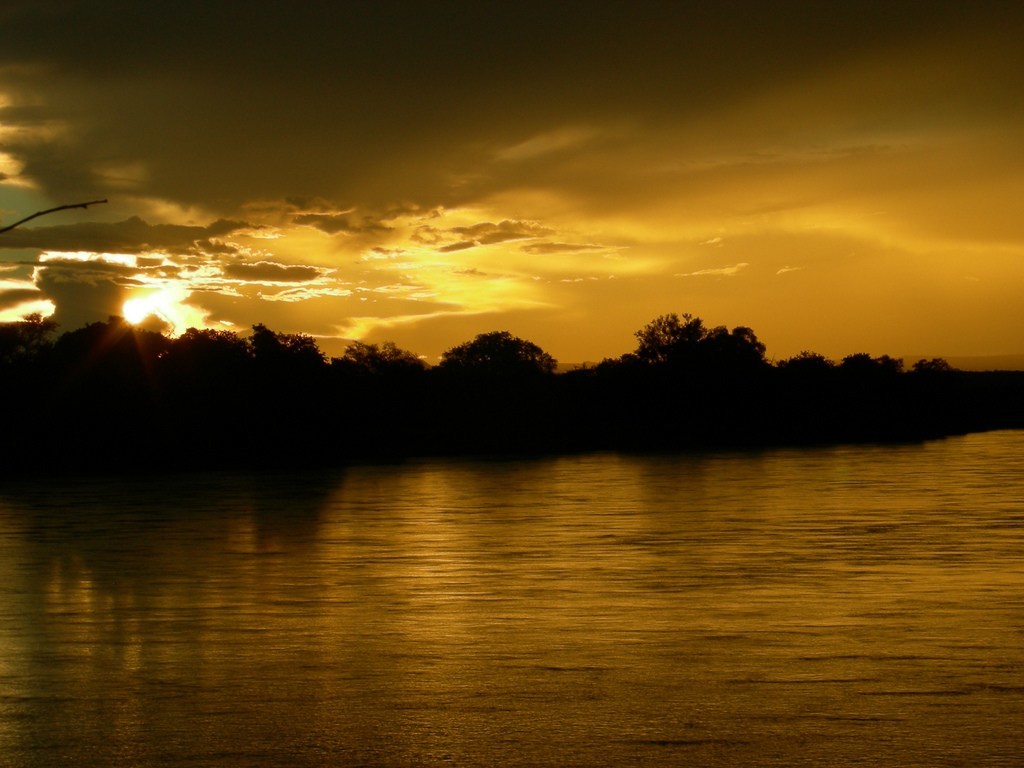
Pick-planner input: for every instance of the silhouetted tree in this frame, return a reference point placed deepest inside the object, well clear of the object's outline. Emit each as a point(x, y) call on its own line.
point(378, 360)
point(806, 363)
point(200, 359)
point(669, 338)
point(112, 394)
point(890, 365)
point(24, 379)
point(735, 351)
point(289, 387)
point(935, 365)
point(498, 352)
point(683, 344)
point(104, 392)
point(282, 349)
point(25, 341)
point(198, 348)
point(862, 363)
point(493, 394)
point(115, 351)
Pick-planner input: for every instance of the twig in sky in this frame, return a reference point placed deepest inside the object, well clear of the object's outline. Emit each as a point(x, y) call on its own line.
point(50, 210)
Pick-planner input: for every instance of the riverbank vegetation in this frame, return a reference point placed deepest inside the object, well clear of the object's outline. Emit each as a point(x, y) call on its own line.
point(114, 396)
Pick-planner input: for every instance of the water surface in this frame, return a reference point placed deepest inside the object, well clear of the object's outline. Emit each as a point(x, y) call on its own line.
point(839, 606)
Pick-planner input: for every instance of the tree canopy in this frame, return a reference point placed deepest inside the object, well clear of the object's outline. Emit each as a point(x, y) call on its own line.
point(498, 352)
point(685, 343)
point(379, 359)
point(111, 391)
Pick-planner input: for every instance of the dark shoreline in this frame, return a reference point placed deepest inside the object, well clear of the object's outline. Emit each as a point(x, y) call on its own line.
point(116, 399)
point(559, 416)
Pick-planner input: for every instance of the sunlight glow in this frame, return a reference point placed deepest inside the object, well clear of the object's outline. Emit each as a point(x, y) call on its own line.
point(118, 259)
point(17, 313)
point(166, 304)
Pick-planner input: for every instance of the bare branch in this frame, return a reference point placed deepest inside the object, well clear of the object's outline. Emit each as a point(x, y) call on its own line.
point(51, 210)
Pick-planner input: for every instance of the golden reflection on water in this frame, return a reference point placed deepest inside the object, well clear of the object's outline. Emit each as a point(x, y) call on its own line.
point(844, 605)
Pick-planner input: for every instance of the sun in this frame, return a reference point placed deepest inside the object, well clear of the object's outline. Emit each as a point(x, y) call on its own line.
point(166, 304)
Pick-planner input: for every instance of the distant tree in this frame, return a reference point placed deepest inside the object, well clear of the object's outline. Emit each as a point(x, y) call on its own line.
point(935, 365)
point(26, 340)
point(669, 338)
point(736, 350)
point(498, 352)
point(615, 365)
point(377, 360)
point(890, 364)
point(685, 343)
point(862, 363)
point(274, 350)
point(806, 362)
point(859, 361)
point(210, 343)
point(200, 356)
point(114, 360)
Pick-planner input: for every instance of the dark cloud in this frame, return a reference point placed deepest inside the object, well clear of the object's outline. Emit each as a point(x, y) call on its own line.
point(299, 204)
point(387, 253)
point(334, 219)
point(131, 236)
point(271, 272)
point(487, 233)
point(80, 298)
point(17, 296)
point(484, 233)
point(650, 126)
point(461, 245)
point(334, 224)
point(345, 97)
point(214, 246)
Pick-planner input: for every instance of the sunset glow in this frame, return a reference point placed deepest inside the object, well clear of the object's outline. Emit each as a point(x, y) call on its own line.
point(842, 181)
point(512, 383)
point(164, 304)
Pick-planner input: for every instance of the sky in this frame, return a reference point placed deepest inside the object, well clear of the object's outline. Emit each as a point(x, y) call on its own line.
point(840, 177)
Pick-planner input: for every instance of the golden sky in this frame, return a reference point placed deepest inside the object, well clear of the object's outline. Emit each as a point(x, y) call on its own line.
point(841, 177)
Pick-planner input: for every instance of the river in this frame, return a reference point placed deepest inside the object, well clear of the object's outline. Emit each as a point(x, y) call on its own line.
point(856, 605)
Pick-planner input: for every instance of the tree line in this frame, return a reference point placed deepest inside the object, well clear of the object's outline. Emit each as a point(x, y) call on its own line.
point(115, 396)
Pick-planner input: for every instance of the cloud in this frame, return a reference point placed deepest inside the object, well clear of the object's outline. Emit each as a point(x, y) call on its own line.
point(132, 235)
point(268, 271)
point(556, 248)
point(545, 144)
point(461, 245)
point(733, 118)
point(487, 233)
point(480, 234)
point(15, 297)
point(382, 254)
point(334, 224)
point(84, 266)
point(304, 293)
point(175, 94)
point(80, 298)
point(729, 271)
